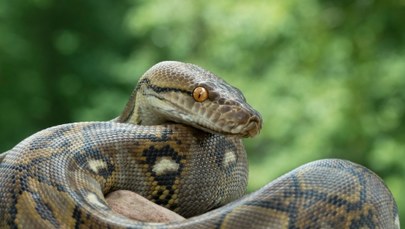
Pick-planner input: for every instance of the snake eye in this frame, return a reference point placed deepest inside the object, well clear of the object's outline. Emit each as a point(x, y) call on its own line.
point(200, 94)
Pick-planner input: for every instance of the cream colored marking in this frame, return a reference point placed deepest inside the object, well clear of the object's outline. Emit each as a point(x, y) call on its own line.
point(397, 222)
point(229, 158)
point(165, 165)
point(96, 165)
point(93, 199)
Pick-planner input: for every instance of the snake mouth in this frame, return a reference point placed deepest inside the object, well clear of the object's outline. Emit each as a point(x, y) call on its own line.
point(253, 127)
point(249, 128)
point(244, 123)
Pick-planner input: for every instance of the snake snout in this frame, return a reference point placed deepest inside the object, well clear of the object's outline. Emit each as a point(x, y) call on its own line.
point(246, 123)
point(253, 126)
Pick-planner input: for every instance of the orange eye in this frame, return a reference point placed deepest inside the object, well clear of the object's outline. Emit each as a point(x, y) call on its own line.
point(200, 94)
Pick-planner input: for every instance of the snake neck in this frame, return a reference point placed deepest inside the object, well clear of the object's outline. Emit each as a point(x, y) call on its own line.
point(132, 112)
point(129, 115)
point(138, 112)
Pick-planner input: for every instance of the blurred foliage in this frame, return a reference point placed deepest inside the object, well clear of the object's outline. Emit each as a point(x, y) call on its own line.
point(327, 76)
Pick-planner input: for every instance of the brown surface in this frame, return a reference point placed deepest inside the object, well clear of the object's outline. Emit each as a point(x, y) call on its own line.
point(136, 207)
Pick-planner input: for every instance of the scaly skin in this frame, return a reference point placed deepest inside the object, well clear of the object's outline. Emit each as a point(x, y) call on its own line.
point(57, 178)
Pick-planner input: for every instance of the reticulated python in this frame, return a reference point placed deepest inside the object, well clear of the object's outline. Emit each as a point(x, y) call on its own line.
point(58, 177)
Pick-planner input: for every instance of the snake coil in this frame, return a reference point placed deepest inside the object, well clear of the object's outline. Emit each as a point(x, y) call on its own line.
point(178, 143)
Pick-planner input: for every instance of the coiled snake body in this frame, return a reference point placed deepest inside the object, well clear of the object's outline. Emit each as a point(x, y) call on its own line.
point(178, 144)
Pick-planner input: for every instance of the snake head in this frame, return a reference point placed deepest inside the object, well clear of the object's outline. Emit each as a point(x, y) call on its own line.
point(184, 93)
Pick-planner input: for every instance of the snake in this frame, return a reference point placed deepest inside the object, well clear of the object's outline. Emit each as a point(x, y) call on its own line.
point(178, 143)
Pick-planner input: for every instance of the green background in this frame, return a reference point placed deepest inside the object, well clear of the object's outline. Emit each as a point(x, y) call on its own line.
point(327, 76)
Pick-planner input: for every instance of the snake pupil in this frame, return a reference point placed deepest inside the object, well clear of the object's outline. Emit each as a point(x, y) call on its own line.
point(200, 94)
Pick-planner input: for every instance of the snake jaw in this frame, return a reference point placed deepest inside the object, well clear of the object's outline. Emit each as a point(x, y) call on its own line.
point(238, 119)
